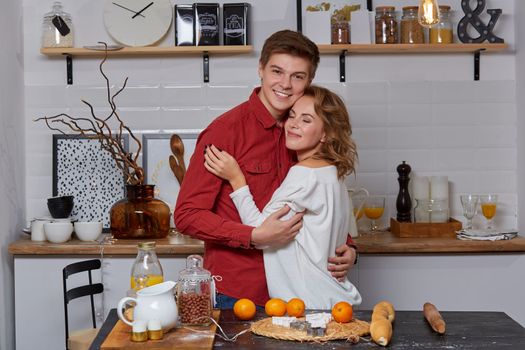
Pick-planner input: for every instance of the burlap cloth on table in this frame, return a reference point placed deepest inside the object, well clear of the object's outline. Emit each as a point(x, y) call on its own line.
point(350, 331)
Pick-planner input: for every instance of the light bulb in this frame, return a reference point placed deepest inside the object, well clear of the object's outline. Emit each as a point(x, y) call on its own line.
point(428, 13)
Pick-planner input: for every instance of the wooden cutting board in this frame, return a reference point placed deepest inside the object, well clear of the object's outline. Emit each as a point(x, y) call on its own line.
point(184, 338)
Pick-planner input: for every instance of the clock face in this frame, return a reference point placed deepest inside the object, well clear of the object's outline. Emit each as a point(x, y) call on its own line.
point(137, 22)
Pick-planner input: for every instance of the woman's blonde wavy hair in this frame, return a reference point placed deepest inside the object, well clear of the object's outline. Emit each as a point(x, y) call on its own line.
point(339, 148)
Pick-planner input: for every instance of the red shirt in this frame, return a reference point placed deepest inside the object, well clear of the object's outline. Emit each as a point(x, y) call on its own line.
point(205, 210)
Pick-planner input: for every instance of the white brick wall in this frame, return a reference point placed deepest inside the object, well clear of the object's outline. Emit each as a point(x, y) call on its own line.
point(424, 109)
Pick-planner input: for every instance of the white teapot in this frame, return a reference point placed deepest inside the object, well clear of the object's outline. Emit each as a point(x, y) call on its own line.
point(156, 302)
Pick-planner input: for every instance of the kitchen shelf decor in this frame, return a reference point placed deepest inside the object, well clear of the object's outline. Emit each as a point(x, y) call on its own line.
point(139, 214)
point(82, 169)
point(98, 51)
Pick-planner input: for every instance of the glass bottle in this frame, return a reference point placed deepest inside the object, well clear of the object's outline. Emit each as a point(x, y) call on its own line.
point(386, 30)
point(140, 215)
point(194, 293)
point(340, 30)
point(442, 33)
point(411, 31)
point(57, 28)
point(146, 270)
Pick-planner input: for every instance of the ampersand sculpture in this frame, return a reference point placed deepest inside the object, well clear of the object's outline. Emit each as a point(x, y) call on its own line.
point(472, 18)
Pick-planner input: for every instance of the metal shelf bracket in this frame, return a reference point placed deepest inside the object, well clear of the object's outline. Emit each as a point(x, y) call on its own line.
point(342, 66)
point(69, 69)
point(477, 63)
point(206, 66)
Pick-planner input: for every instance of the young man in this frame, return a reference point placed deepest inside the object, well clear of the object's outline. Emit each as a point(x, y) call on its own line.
point(253, 133)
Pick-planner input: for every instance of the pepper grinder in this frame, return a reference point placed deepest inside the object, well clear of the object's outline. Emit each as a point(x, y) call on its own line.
point(403, 202)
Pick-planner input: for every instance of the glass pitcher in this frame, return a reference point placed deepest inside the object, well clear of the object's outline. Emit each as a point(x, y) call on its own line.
point(146, 270)
point(195, 293)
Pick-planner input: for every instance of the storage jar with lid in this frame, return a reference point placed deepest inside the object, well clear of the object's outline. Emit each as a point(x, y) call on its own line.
point(57, 28)
point(146, 270)
point(441, 33)
point(411, 31)
point(194, 293)
point(386, 29)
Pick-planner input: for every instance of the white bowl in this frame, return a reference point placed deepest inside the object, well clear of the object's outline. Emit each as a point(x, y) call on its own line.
point(58, 232)
point(88, 230)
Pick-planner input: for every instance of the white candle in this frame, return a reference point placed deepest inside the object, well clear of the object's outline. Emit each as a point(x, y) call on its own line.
point(154, 325)
point(439, 187)
point(139, 326)
point(420, 187)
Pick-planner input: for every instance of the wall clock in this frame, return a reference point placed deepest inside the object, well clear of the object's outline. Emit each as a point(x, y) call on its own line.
point(137, 22)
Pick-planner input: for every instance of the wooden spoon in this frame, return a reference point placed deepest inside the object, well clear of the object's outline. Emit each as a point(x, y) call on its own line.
point(177, 159)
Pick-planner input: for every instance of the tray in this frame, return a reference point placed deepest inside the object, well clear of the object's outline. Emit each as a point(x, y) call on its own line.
point(184, 338)
point(350, 331)
point(425, 229)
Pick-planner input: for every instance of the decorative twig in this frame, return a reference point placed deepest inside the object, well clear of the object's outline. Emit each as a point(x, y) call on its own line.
point(99, 128)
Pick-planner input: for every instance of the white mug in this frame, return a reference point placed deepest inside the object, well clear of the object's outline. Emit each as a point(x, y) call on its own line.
point(37, 230)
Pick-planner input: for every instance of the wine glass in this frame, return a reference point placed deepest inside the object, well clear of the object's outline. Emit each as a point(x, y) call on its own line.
point(488, 208)
point(469, 202)
point(374, 209)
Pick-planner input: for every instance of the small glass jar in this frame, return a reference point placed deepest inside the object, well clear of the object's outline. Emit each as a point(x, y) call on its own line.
point(386, 28)
point(431, 210)
point(57, 28)
point(442, 33)
point(411, 31)
point(194, 293)
point(146, 270)
point(340, 31)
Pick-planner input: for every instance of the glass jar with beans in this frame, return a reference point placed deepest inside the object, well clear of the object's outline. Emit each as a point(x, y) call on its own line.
point(194, 293)
point(386, 28)
point(411, 31)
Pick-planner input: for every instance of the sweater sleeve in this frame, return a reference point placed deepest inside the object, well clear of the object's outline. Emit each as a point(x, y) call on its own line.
point(292, 192)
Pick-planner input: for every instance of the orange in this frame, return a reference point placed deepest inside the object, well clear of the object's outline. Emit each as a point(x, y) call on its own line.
point(275, 307)
point(295, 307)
point(342, 312)
point(244, 309)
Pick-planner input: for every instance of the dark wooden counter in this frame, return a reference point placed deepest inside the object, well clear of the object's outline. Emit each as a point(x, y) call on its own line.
point(377, 243)
point(465, 330)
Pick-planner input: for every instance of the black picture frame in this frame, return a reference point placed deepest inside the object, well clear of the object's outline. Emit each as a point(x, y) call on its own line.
point(83, 169)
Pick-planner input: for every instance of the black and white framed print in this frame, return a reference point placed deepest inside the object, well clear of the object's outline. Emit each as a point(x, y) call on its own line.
point(83, 169)
point(155, 161)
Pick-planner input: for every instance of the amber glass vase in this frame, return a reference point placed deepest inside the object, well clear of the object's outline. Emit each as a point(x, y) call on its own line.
point(140, 215)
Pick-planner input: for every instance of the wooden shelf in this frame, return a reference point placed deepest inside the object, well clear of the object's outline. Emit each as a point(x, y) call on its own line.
point(149, 50)
point(205, 51)
point(382, 49)
point(410, 48)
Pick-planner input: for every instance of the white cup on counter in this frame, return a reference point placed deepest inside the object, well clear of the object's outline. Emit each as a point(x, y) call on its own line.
point(37, 230)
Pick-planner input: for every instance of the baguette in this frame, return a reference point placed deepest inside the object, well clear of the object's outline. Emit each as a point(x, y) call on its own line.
point(381, 331)
point(434, 318)
point(384, 308)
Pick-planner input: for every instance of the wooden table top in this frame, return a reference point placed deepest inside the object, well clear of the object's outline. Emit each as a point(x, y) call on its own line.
point(179, 244)
point(465, 330)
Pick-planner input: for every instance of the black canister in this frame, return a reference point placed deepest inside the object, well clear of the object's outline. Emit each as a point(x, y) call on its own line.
point(236, 23)
point(184, 25)
point(206, 24)
point(403, 202)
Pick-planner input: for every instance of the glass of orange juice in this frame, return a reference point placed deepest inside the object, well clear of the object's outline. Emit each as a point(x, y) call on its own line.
point(358, 203)
point(374, 209)
point(488, 208)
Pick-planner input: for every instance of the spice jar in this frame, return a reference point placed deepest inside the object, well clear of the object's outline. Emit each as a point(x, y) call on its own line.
point(441, 33)
point(386, 25)
point(146, 270)
point(57, 28)
point(411, 30)
point(194, 293)
point(340, 31)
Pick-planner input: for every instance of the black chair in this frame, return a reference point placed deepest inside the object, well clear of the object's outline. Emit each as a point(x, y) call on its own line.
point(81, 338)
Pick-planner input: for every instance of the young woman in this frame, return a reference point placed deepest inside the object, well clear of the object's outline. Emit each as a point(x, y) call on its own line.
point(318, 130)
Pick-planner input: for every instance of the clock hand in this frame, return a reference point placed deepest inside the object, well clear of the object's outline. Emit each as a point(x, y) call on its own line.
point(125, 8)
point(138, 13)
